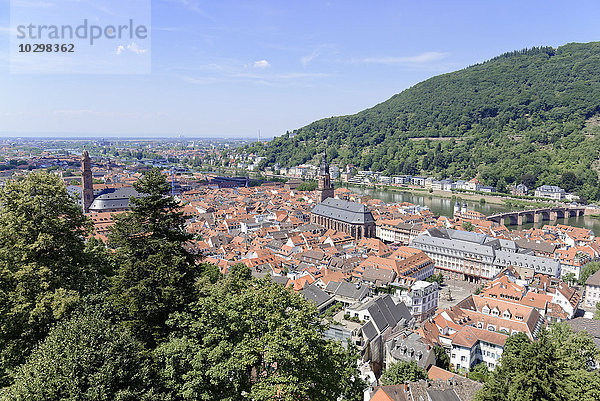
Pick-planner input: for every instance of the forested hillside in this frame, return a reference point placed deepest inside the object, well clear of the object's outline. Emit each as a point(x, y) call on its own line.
point(526, 116)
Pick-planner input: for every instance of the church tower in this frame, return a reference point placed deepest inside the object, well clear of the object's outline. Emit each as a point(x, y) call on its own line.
point(87, 193)
point(325, 188)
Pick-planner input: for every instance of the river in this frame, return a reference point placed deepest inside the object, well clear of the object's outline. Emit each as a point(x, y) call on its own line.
point(445, 207)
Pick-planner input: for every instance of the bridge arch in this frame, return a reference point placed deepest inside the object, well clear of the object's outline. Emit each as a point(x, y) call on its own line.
point(528, 217)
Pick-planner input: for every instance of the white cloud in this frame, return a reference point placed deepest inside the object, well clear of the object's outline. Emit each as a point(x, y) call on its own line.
point(132, 47)
point(261, 64)
point(136, 49)
point(307, 59)
point(407, 60)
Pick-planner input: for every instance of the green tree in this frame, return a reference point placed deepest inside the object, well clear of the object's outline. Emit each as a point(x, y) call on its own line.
point(45, 263)
point(569, 278)
point(401, 372)
point(569, 181)
point(307, 186)
point(480, 373)
point(587, 270)
point(468, 226)
point(555, 367)
point(85, 358)
point(528, 180)
point(156, 273)
point(247, 338)
point(442, 360)
point(435, 278)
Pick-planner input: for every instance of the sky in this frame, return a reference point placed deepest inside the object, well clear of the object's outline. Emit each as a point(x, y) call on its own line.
point(226, 68)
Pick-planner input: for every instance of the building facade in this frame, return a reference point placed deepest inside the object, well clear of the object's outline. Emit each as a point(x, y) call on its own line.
point(592, 290)
point(421, 299)
point(476, 257)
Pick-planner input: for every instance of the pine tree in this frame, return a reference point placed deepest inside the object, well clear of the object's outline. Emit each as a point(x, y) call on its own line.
point(156, 272)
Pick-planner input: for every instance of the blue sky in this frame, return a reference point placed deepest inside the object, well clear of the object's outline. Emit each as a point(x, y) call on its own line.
point(231, 68)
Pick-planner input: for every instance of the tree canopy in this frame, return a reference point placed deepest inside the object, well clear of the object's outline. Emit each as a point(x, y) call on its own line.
point(45, 262)
point(555, 367)
point(85, 358)
point(268, 344)
point(587, 270)
point(156, 273)
point(401, 372)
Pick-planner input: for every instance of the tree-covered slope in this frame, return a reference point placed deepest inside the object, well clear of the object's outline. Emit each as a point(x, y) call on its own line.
point(523, 116)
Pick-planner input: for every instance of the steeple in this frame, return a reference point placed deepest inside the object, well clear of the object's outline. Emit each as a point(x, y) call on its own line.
point(324, 188)
point(87, 184)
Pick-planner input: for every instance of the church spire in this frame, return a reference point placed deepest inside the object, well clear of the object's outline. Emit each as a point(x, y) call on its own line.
point(325, 188)
point(87, 184)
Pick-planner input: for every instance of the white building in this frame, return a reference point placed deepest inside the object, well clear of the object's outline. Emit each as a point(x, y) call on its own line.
point(471, 346)
point(550, 192)
point(473, 257)
point(421, 299)
point(377, 310)
point(592, 290)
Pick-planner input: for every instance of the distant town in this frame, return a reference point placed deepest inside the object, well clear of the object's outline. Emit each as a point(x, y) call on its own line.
point(393, 278)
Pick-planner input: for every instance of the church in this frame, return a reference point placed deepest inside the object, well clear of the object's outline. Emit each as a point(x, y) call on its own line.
point(107, 200)
point(352, 218)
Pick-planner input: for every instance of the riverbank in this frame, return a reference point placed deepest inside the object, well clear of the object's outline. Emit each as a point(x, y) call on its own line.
point(507, 201)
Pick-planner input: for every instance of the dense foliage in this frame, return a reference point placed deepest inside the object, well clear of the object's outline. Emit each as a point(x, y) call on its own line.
point(307, 186)
point(527, 116)
point(146, 320)
point(587, 270)
point(45, 263)
point(557, 367)
point(401, 372)
point(87, 357)
point(480, 373)
point(155, 274)
point(442, 359)
point(268, 344)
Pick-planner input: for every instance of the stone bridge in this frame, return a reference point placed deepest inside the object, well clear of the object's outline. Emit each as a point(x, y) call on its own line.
point(537, 215)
